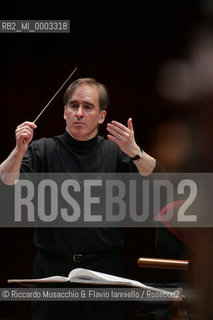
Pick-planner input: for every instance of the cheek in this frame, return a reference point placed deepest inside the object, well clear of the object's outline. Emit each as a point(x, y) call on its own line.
point(68, 115)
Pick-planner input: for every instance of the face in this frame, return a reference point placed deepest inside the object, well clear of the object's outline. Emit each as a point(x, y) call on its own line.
point(82, 113)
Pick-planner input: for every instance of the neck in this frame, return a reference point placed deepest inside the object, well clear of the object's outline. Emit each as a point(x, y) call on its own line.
point(83, 138)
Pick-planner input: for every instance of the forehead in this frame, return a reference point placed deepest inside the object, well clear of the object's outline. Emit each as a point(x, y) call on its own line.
point(85, 92)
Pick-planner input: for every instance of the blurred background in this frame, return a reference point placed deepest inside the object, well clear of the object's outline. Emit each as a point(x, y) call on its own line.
point(155, 57)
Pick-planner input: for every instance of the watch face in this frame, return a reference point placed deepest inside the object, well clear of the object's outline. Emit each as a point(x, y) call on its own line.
point(138, 156)
point(140, 153)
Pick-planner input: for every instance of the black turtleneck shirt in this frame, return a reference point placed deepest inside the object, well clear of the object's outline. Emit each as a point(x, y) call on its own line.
point(65, 154)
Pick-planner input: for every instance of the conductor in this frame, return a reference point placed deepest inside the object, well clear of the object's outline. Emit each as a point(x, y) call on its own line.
point(78, 149)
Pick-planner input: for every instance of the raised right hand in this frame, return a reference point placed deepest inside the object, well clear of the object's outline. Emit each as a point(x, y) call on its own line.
point(24, 135)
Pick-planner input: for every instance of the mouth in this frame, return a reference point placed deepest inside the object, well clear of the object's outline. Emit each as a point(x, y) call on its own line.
point(79, 123)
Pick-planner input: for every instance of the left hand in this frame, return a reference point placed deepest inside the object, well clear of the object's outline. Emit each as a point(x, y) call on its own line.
point(123, 136)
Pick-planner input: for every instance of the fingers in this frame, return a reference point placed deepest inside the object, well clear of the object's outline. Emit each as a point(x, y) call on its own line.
point(24, 132)
point(121, 126)
point(23, 136)
point(115, 132)
point(129, 124)
point(117, 125)
point(123, 136)
point(113, 139)
point(119, 130)
point(28, 124)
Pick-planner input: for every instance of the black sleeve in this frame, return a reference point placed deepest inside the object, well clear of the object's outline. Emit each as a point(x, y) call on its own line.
point(31, 161)
point(125, 163)
point(37, 155)
point(159, 167)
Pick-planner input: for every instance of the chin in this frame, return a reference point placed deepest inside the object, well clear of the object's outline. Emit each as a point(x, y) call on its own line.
point(76, 134)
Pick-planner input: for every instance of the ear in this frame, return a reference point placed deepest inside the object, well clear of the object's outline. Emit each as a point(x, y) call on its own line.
point(102, 116)
point(65, 112)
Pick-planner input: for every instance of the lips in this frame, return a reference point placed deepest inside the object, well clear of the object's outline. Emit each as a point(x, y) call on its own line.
point(79, 123)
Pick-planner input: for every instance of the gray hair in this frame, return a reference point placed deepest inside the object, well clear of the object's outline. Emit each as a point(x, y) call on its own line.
point(103, 94)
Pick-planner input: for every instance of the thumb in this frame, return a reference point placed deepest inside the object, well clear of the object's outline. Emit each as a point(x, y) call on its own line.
point(129, 124)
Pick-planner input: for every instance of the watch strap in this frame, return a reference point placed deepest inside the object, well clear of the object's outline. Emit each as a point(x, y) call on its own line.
point(138, 156)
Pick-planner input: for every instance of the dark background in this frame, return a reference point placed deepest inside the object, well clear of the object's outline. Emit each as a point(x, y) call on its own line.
point(122, 46)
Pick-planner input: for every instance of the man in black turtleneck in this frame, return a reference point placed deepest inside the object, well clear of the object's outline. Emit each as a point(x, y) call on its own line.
point(79, 149)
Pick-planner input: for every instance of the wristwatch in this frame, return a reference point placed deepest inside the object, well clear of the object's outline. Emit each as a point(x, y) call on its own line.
point(138, 156)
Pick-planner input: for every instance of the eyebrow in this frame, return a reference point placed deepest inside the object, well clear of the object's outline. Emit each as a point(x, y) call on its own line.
point(85, 102)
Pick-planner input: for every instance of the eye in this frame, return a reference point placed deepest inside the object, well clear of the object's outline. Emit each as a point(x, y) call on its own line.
point(74, 106)
point(87, 107)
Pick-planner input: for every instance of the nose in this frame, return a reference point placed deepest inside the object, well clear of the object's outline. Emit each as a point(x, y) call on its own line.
point(79, 112)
